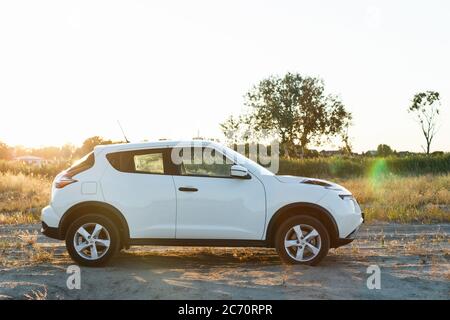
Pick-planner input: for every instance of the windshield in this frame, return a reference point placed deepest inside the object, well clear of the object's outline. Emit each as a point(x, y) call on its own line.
point(248, 163)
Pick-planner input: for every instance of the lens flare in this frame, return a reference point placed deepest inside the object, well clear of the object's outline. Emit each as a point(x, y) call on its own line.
point(378, 171)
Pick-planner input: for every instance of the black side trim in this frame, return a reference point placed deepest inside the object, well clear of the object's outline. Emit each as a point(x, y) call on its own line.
point(198, 242)
point(342, 242)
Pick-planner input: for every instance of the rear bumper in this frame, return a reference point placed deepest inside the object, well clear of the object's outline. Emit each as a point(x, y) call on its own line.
point(50, 231)
point(50, 223)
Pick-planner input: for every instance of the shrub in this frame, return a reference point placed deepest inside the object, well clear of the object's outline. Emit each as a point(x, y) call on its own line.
point(49, 170)
point(347, 167)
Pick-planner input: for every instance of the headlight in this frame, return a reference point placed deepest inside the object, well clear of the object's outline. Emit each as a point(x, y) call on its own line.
point(350, 200)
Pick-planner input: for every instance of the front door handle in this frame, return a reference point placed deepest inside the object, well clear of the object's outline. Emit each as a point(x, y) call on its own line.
point(188, 189)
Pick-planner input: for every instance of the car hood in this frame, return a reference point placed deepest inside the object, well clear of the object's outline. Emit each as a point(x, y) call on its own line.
point(312, 181)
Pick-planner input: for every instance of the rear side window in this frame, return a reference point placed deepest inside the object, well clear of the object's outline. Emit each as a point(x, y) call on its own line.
point(138, 161)
point(81, 165)
point(149, 163)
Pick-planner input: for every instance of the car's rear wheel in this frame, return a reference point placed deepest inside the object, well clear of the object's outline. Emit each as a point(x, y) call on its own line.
point(302, 240)
point(92, 240)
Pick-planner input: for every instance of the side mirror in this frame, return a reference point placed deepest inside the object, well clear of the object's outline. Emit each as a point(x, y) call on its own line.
point(240, 172)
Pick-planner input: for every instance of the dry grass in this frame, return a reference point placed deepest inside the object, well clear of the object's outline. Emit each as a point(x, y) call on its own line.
point(22, 197)
point(23, 249)
point(37, 294)
point(385, 198)
point(403, 199)
point(19, 217)
point(28, 238)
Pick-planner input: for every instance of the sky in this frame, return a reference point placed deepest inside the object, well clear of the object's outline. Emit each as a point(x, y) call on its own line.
point(173, 69)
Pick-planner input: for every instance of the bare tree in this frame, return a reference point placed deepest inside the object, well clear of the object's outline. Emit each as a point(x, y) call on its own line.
point(347, 147)
point(425, 106)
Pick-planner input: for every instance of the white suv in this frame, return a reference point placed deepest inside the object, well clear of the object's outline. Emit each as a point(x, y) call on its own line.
point(154, 194)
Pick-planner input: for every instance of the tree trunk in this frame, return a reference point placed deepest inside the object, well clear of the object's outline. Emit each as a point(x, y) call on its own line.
point(303, 144)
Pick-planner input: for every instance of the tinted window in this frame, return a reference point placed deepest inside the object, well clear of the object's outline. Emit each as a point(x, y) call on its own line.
point(81, 165)
point(207, 162)
point(138, 161)
point(149, 163)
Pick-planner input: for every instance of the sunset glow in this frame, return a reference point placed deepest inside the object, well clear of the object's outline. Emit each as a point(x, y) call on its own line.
point(169, 70)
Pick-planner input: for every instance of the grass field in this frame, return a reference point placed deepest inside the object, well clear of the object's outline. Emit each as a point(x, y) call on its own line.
point(350, 167)
point(22, 197)
point(49, 170)
point(423, 198)
point(322, 167)
point(401, 189)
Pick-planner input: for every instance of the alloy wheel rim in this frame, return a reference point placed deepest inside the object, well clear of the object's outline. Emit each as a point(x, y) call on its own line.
point(302, 242)
point(92, 241)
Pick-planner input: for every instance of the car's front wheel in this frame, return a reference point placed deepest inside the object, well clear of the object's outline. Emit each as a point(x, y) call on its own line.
point(92, 240)
point(302, 240)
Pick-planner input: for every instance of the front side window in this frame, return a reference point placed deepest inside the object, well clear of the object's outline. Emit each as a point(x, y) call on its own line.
point(204, 162)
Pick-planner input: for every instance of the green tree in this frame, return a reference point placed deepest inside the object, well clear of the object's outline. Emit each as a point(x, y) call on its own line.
point(231, 128)
point(238, 129)
point(384, 150)
point(296, 110)
point(425, 107)
point(90, 143)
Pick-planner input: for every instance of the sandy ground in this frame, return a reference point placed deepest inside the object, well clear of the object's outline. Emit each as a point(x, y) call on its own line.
point(414, 261)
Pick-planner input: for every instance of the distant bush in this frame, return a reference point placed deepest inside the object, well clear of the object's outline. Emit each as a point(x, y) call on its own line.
point(345, 167)
point(48, 170)
point(324, 167)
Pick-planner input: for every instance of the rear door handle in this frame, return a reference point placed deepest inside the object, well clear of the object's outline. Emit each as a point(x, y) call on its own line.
point(188, 189)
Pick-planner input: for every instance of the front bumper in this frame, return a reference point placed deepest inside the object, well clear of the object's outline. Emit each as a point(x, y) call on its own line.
point(352, 236)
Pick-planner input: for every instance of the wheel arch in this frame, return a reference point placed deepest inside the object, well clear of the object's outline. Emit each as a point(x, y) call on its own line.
point(303, 208)
point(97, 207)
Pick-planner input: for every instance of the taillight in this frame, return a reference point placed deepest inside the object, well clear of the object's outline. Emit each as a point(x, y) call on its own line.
point(64, 180)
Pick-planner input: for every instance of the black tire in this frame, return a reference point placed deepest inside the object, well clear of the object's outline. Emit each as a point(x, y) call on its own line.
point(286, 229)
point(112, 232)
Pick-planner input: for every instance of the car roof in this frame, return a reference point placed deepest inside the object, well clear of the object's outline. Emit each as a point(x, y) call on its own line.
point(154, 144)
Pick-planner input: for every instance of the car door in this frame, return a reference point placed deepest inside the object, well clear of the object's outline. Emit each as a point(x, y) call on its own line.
point(213, 205)
point(139, 183)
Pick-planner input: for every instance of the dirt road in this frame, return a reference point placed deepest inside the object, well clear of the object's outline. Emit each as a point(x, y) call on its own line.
point(414, 261)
